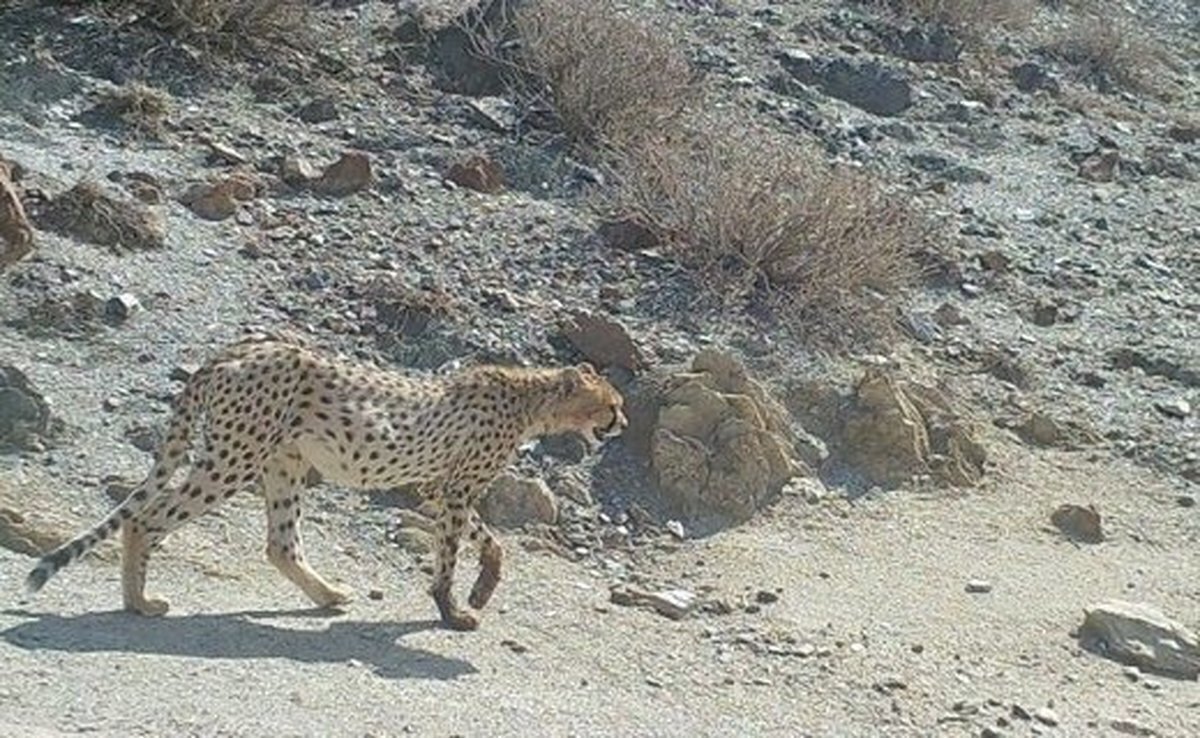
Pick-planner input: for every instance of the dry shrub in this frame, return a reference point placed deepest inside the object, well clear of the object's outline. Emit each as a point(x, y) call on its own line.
point(608, 76)
point(973, 17)
point(757, 214)
point(227, 23)
point(1110, 50)
point(139, 106)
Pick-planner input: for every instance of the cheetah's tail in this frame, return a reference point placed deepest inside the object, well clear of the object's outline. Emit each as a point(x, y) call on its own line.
point(169, 458)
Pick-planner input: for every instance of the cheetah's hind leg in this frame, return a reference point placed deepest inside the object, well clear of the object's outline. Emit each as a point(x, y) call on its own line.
point(281, 481)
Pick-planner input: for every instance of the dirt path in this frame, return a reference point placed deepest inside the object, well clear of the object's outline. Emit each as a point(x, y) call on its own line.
point(873, 632)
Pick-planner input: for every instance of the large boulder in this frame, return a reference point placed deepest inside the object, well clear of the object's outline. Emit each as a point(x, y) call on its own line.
point(895, 429)
point(720, 447)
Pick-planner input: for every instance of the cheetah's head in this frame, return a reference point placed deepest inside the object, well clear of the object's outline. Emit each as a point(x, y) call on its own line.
point(587, 403)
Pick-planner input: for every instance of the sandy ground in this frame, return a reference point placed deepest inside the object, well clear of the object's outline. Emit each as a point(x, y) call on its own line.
point(873, 632)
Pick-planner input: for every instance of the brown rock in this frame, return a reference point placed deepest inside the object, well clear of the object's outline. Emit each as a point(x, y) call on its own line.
point(513, 501)
point(895, 429)
point(627, 235)
point(16, 232)
point(720, 447)
point(23, 536)
point(1100, 167)
point(1078, 523)
point(994, 261)
point(349, 174)
point(603, 341)
point(90, 214)
point(1041, 429)
point(219, 200)
point(477, 173)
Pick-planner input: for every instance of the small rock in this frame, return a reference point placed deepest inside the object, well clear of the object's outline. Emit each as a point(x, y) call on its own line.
point(477, 173)
point(979, 586)
point(1020, 713)
point(25, 417)
point(673, 603)
point(297, 171)
point(1045, 313)
point(766, 597)
point(182, 372)
point(513, 501)
point(1177, 408)
point(1140, 635)
point(627, 235)
point(493, 112)
point(1100, 166)
point(1046, 716)
point(676, 529)
point(1078, 523)
point(375, 594)
point(1129, 727)
point(349, 174)
point(121, 308)
point(1031, 77)
point(994, 261)
point(947, 314)
point(1186, 501)
point(1041, 429)
point(219, 200)
point(225, 153)
point(319, 110)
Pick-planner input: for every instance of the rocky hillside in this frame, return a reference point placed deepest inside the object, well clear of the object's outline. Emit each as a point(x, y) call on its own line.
point(868, 273)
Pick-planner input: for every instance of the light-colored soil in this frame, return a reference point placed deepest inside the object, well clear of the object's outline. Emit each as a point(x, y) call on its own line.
point(873, 633)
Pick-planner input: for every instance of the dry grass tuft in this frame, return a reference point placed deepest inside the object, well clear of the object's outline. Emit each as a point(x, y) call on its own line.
point(756, 214)
point(976, 18)
point(1110, 51)
point(139, 106)
point(227, 23)
point(608, 77)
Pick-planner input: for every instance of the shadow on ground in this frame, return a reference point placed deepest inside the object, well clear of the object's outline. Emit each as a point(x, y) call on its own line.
point(238, 635)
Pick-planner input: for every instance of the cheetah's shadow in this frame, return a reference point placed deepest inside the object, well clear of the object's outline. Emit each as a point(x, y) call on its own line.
point(238, 635)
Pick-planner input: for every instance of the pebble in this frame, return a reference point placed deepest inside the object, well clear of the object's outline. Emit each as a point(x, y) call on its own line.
point(979, 586)
point(676, 528)
point(375, 594)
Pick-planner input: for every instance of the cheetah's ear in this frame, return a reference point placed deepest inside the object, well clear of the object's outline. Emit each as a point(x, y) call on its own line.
point(572, 381)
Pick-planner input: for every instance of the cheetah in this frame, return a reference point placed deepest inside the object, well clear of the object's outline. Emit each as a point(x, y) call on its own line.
point(271, 408)
point(16, 234)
